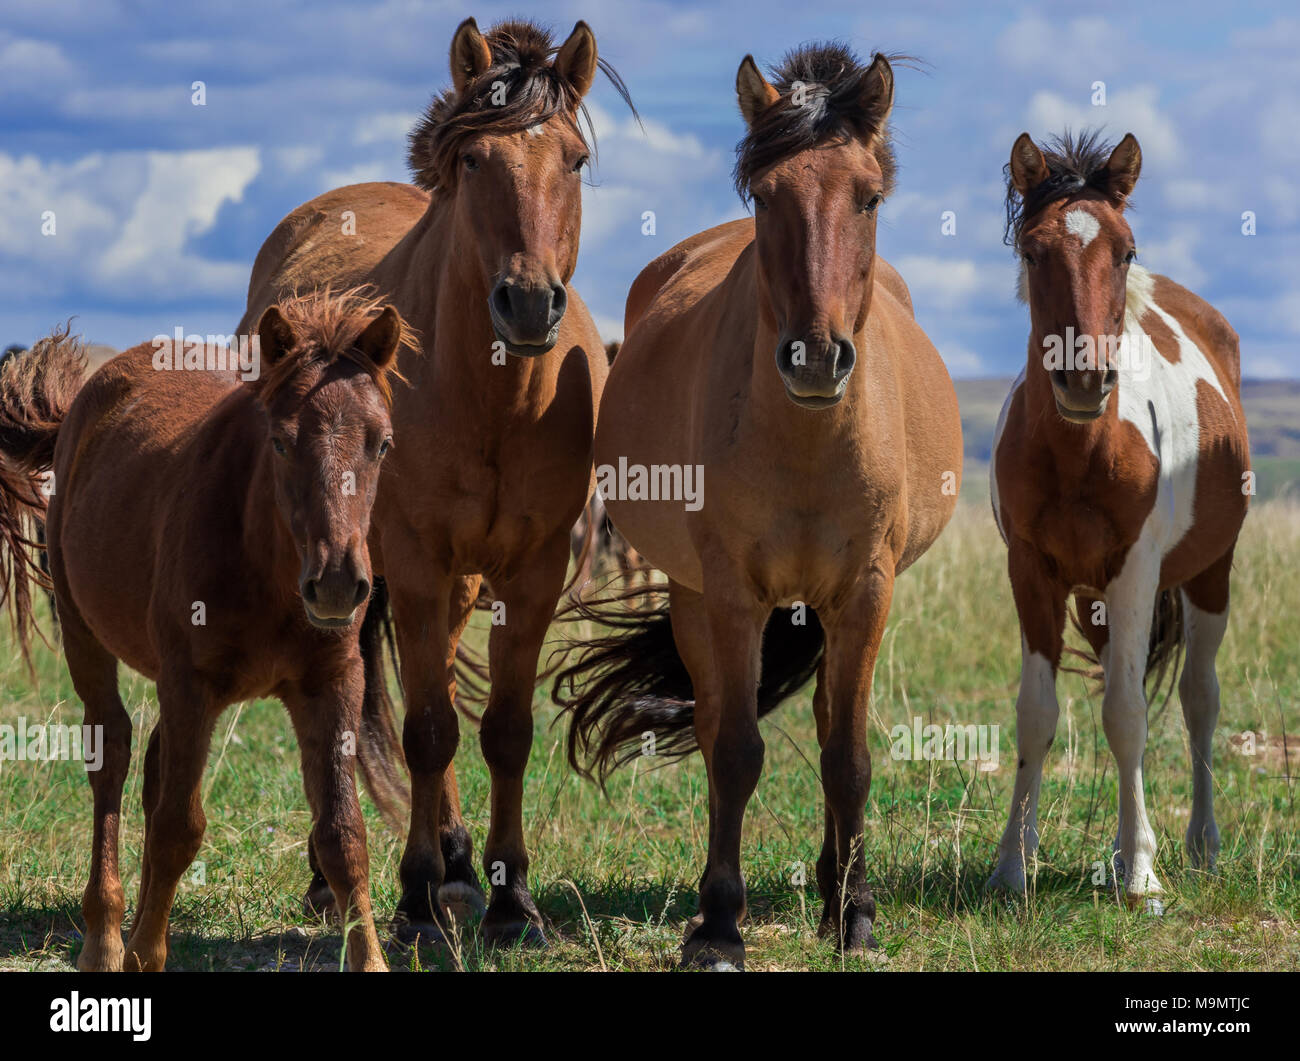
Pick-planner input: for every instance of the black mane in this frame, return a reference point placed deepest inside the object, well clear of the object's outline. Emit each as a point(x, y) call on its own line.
point(831, 75)
point(1073, 164)
point(522, 54)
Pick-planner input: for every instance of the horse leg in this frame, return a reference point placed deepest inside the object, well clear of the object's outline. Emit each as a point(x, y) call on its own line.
point(429, 738)
point(853, 635)
point(1040, 602)
point(103, 904)
point(149, 800)
point(1130, 601)
point(323, 720)
point(506, 737)
point(1205, 611)
point(828, 859)
point(176, 824)
point(461, 893)
point(735, 622)
point(690, 622)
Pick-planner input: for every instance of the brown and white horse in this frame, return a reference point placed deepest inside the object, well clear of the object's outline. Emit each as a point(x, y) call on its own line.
point(493, 465)
point(779, 359)
point(1120, 476)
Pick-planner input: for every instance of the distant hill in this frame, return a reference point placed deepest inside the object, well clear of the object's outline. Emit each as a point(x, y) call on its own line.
point(1272, 413)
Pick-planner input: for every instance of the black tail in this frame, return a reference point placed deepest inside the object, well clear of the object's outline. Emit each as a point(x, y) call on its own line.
point(379, 750)
point(37, 388)
point(632, 681)
point(1164, 649)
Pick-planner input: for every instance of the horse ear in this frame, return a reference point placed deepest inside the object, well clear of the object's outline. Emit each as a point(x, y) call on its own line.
point(274, 336)
point(470, 54)
point(1122, 169)
point(381, 338)
point(876, 94)
point(1028, 167)
point(753, 91)
point(576, 60)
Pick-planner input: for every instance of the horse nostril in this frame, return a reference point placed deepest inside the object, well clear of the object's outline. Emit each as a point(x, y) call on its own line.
point(1109, 379)
point(559, 303)
point(1060, 379)
point(846, 356)
point(362, 594)
point(785, 356)
point(309, 591)
point(501, 300)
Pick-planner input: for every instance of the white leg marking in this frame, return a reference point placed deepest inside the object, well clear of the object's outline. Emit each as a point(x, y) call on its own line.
point(1036, 715)
point(1130, 602)
point(1198, 689)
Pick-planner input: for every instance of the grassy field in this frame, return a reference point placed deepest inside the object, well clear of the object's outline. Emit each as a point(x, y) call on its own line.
point(616, 878)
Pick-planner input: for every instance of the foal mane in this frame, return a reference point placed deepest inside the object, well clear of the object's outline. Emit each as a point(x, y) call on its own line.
point(1073, 164)
point(325, 327)
point(522, 54)
point(830, 74)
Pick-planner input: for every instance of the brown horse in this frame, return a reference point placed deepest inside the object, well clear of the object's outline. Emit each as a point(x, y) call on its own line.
point(495, 462)
point(1120, 476)
point(779, 356)
point(211, 534)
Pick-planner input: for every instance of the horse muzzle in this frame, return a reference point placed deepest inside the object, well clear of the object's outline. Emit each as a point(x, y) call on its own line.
point(815, 375)
point(527, 317)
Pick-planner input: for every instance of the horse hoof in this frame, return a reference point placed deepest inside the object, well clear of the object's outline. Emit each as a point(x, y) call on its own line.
point(525, 934)
point(713, 955)
point(318, 902)
point(461, 900)
point(418, 933)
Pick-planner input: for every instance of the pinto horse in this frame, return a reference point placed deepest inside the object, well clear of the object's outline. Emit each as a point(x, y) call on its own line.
point(1120, 476)
point(779, 358)
point(495, 462)
point(211, 534)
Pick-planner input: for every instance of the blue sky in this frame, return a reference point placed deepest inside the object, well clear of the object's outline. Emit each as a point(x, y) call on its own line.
point(160, 206)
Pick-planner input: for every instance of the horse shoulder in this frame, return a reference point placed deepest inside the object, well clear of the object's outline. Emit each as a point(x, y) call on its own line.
point(889, 278)
point(691, 259)
point(1204, 325)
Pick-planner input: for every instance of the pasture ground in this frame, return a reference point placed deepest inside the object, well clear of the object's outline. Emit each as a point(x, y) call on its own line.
point(616, 878)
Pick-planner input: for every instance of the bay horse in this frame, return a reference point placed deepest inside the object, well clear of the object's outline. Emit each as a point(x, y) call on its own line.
point(778, 357)
point(496, 427)
point(1119, 476)
point(210, 533)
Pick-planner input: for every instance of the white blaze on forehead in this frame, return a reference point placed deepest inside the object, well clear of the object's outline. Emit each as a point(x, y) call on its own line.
point(535, 130)
point(1082, 224)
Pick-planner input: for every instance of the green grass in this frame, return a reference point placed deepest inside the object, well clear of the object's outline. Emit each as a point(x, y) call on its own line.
point(616, 878)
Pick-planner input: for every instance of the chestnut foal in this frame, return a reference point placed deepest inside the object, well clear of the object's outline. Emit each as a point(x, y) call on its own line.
point(211, 534)
point(1120, 476)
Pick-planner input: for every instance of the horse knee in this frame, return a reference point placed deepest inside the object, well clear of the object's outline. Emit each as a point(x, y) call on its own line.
point(429, 739)
point(846, 777)
point(738, 759)
point(506, 737)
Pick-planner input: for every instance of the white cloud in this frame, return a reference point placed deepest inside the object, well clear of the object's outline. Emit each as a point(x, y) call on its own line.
point(1135, 110)
point(123, 221)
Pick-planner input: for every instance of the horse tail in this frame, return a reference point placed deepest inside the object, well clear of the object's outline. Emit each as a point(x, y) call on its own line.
point(632, 681)
point(37, 388)
point(379, 749)
point(1165, 646)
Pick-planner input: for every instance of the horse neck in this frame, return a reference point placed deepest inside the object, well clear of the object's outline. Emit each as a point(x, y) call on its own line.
point(440, 285)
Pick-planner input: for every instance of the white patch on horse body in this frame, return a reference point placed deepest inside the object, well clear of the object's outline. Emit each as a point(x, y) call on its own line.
point(1082, 224)
point(993, 460)
point(536, 130)
point(1161, 404)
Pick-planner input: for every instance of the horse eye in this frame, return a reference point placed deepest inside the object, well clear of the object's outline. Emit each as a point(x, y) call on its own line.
point(471, 163)
point(278, 446)
point(872, 203)
point(1028, 258)
point(759, 202)
point(1130, 257)
point(384, 446)
point(580, 163)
